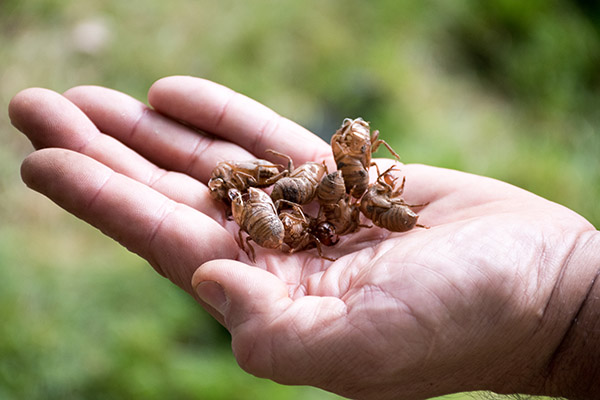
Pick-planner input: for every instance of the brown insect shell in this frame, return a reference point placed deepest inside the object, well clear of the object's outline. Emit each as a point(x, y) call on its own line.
point(387, 212)
point(309, 169)
point(218, 189)
point(355, 175)
point(351, 147)
point(400, 218)
point(304, 232)
point(376, 197)
point(354, 135)
point(331, 189)
point(240, 175)
point(296, 227)
point(353, 139)
point(301, 185)
point(344, 215)
point(255, 213)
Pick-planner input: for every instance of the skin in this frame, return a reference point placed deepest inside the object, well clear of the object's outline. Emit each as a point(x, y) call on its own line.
point(499, 294)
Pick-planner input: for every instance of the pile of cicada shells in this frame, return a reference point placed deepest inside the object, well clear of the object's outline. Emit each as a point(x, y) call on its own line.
point(279, 221)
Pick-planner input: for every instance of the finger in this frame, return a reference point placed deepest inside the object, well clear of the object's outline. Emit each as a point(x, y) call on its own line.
point(162, 140)
point(450, 195)
point(174, 238)
point(35, 112)
point(50, 120)
point(236, 118)
point(272, 336)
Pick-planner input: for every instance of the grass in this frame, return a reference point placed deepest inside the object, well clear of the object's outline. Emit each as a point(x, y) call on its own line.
point(508, 90)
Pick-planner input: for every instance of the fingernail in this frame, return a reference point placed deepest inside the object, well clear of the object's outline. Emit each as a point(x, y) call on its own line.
point(213, 294)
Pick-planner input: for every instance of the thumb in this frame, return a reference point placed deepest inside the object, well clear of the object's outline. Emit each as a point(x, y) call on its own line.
point(239, 292)
point(272, 335)
point(247, 300)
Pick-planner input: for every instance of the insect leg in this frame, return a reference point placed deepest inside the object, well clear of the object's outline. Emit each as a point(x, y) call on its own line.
point(355, 205)
point(414, 205)
point(293, 205)
point(241, 241)
point(284, 201)
point(252, 254)
point(375, 142)
point(384, 174)
point(290, 162)
point(400, 190)
point(301, 245)
point(238, 175)
point(275, 178)
point(318, 244)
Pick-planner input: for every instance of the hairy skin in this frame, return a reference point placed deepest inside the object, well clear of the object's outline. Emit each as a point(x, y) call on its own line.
point(501, 293)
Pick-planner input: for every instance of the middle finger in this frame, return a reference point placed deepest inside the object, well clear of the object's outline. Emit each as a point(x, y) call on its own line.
point(162, 140)
point(50, 120)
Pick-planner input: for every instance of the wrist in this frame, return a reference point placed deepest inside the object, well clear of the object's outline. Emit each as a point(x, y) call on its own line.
point(574, 368)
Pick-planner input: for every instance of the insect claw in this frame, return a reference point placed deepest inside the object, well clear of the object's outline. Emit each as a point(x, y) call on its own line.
point(417, 205)
point(241, 241)
point(290, 167)
point(318, 243)
point(253, 254)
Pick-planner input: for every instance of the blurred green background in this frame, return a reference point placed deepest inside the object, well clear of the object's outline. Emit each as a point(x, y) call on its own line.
point(507, 88)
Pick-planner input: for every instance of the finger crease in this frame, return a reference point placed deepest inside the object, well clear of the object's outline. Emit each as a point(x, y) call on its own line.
point(197, 152)
point(83, 148)
point(137, 123)
point(156, 177)
point(270, 126)
point(91, 202)
point(152, 257)
point(223, 111)
point(167, 208)
point(192, 156)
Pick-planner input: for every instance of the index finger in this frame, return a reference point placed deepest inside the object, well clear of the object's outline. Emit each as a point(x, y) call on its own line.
point(232, 116)
point(173, 237)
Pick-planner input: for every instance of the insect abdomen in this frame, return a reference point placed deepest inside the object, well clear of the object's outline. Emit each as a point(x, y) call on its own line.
point(356, 177)
point(265, 229)
point(331, 189)
point(296, 190)
point(399, 218)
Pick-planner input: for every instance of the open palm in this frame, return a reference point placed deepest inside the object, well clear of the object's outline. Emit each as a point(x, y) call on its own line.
point(417, 313)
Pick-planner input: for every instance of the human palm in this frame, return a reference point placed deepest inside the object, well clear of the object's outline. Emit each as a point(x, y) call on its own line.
point(416, 313)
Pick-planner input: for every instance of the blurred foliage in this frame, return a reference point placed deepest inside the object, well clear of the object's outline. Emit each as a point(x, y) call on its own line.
point(504, 88)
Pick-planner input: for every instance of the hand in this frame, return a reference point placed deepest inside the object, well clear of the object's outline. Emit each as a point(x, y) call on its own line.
point(480, 300)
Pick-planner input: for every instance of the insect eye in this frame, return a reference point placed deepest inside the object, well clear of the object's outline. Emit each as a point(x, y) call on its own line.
point(234, 194)
point(389, 179)
point(215, 183)
point(326, 234)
